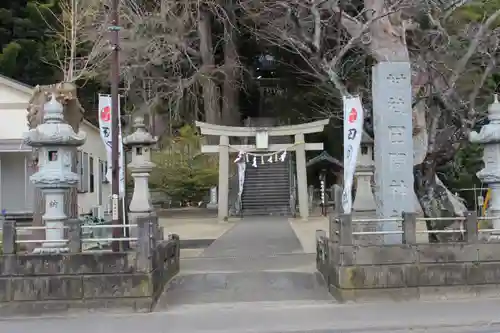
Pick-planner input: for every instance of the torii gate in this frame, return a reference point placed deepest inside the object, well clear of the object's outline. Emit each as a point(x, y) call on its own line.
point(261, 135)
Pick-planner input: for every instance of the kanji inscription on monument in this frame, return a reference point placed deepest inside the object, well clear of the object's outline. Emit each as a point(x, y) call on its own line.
point(391, 92)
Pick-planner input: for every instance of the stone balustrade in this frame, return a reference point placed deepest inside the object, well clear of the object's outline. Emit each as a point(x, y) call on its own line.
point(40, 283)
point(355, 272)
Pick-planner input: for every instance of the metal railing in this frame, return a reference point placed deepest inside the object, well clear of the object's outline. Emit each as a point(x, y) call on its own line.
point(84, 239)
point(342, 226)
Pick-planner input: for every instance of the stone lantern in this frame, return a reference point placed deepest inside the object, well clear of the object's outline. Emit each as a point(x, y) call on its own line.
point(489, 136)
point(140, 142)
point(56, 142)
point(364, 200)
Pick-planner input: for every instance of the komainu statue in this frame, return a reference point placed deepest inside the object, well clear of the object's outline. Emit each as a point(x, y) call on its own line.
point(66, 95)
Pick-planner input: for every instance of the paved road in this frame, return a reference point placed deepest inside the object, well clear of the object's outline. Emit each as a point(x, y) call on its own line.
point(283, 317)
point(255, 279)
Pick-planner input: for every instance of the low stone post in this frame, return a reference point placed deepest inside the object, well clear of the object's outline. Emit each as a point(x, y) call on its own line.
point(145, 243)
point(176, 238)
point(334, 228)
point(9, 236)
point(310, 196)
point(471, 229)
point(74, 235)
point(213, 198)
point(345, 230)
point(337, 195)
point(409, 228)
point(321, 247)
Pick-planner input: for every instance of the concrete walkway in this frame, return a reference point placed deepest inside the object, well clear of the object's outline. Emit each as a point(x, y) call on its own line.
point(198, 231)
point(306, 231)
point(259, 259)
point(256, 236)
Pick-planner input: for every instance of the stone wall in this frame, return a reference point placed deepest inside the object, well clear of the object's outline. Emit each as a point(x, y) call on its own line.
point(34, 284)
point(409, 271)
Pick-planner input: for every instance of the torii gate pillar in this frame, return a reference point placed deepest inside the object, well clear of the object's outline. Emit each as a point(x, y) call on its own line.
point(223, 190)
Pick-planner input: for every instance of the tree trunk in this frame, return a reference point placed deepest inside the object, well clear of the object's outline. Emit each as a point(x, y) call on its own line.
point(436, 201)
point(230, 110)
point(210, 93)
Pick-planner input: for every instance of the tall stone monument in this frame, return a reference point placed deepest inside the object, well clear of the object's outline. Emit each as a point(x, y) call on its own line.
point(489, 136)
point(392, 110)
point(140, 142)
point(55, 140)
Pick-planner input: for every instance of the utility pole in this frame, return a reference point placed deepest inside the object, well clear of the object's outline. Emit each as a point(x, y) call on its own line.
point(114, 30)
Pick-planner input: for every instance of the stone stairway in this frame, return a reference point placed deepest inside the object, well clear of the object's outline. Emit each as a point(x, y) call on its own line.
point(267, 189)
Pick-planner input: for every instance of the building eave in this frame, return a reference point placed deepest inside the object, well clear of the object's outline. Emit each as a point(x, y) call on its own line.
point(14, 146)
point(19, 86)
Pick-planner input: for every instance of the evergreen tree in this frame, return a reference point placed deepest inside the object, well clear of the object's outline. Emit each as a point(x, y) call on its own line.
point(26, 41)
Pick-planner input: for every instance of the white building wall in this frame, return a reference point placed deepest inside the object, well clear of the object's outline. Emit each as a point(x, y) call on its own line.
point(95, 152)
point(9, 94)
point(16, 191)
point(12, 184)
point(13, 123)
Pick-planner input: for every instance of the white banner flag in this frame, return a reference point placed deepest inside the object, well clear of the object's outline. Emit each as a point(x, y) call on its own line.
point(106, 135)
point(353, 131)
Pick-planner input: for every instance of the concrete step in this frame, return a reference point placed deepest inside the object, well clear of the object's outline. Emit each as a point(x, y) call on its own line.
point(268, 193)
point(225, 287)
point(259, 190)
point(269, 184)
point(270, 180)
point(280, 210)
point(265, 200)
point(284, 212)
point(262, 194)
point(269, 172)
point(284, 191)
point(264, 171)
point(267, 181)
point(267, 175)
point(252, 262)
